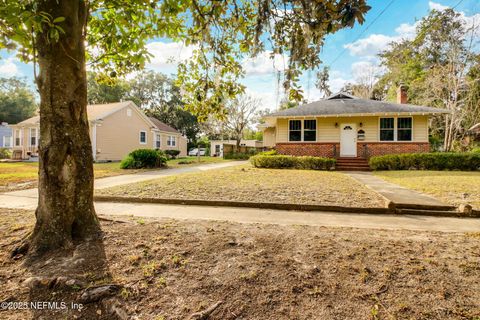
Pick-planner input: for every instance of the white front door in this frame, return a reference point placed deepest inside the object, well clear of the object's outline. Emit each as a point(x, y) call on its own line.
point(348, 140)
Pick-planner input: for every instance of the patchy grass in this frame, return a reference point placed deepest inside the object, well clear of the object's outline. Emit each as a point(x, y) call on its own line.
point(454, 187)
point(170, 269)
point(244, 183)
point(23, 175)
point(192, 161)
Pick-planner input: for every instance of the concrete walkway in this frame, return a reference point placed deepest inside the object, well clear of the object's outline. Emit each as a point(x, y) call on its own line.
point(395, 193)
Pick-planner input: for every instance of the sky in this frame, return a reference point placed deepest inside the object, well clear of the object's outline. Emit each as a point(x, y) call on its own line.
point(348, 52)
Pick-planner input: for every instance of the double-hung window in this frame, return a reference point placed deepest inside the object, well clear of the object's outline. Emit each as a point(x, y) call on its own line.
point(404, 129)
point(171, 141)
point(396, 129)
point(33, 137)
point(387, 129)
point(18, 137)
point(309, 130)
point(295, 130)
point(143, 137)
point(158, 140)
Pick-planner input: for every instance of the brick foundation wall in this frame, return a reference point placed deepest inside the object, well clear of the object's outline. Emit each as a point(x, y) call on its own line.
point(383, 148)
point(308, 149)
point(328, 149)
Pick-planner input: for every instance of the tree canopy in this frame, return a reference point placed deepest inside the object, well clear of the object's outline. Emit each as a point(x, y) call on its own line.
point(222, 33)
point(17, 100)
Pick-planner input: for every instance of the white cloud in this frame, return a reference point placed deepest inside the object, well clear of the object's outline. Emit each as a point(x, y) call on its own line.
point(436, 6)
point(8, 68)
point(168, 55)
point(264, 64)
point(369, 46)
point(267, 98)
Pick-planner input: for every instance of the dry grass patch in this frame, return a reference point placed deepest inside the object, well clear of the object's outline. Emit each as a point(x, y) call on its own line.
point(454, 187)
point(244, 183)
point(170, 269)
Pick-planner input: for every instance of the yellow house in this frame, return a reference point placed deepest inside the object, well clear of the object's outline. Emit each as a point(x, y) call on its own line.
point(116, 129)
point(344, 126)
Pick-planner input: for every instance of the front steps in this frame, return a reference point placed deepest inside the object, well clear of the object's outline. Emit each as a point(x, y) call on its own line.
point(352, 164)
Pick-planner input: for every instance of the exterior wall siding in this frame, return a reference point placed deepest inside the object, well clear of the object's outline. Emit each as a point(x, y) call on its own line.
point(328, 138)
point(119, 134)
point(269, 137)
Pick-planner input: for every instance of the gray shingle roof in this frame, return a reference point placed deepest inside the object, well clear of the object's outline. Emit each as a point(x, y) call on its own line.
point(162, 126)
point(342, 104)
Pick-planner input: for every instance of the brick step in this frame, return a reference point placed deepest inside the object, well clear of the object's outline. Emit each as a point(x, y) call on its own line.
point(352, 168)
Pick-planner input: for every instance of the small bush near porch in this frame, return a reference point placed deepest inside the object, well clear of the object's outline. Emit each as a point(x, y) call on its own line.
point(291, 162)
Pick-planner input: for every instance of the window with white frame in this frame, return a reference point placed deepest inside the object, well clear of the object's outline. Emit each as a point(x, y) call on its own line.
point(172, 141)
point(33, 137)
point(143, 137)
point(396, 129)
point(7, 142)
point(404, 129)
point(18, 137)
point(309, 130)
point(387, 129)
point(295, 130)
point(302, 130)
point(158, 140)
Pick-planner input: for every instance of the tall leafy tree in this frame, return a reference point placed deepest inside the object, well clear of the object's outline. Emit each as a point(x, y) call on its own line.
point(161, 98)
point(54, 34)
point(17, 100)
point(99, 91)
point(437, 66)
point(323, 77)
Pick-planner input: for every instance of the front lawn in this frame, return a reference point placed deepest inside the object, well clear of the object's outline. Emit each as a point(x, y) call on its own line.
point(23, 175)
point(171, 269)
point(191, 161)
point(244, 183)
point(454, 187)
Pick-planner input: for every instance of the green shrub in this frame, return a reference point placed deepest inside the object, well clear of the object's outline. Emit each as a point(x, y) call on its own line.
point(5, 153)
point(172, 153)
point(237, 156)
point(272, 152)
point(427, 161)
point(283, 162)
point(144, 158)
point(476, 150)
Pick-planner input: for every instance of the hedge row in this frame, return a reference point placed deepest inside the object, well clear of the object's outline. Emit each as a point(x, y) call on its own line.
point(427, 161)
point(282, 162)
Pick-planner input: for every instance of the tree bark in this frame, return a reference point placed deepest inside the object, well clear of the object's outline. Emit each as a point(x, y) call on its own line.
point(65, 211)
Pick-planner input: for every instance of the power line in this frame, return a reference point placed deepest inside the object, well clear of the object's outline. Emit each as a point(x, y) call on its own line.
point(364, 30)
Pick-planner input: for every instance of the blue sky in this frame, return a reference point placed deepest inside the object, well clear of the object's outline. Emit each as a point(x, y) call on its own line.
point(359, 49)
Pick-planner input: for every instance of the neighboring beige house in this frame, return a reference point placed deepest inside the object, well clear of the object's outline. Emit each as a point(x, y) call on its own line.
point(116, 129)
point(346, 126)
point(216, 146)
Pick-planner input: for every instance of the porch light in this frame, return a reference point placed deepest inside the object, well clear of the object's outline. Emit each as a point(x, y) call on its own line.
point(336, 124)
point(361, 124)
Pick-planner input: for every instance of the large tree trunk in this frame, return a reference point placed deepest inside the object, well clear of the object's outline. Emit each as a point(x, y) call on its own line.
point(65, 210)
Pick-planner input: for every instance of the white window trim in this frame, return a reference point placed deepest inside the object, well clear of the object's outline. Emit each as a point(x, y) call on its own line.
point(9, 139)
point(172, 141)
point(302, 130)
point(140, 137)
point(20, 138)
point(30, 137)
point(395, 129)
point(158, 138)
